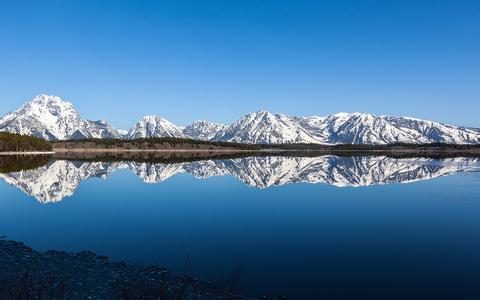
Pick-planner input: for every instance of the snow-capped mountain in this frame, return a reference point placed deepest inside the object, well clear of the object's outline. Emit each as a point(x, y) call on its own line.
point(357, 128)
point(343, 128)
point(204, 130)
point(266, 128)
point(155, 126)
point(59, 179)
point(51, 118)
point(263, 127)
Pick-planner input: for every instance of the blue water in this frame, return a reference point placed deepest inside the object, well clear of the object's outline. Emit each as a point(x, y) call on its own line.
point(302, 240)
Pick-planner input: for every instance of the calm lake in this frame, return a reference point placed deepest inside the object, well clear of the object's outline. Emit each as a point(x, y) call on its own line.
point(301, 227)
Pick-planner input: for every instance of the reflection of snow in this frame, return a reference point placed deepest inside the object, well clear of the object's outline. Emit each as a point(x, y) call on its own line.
point(57, 180)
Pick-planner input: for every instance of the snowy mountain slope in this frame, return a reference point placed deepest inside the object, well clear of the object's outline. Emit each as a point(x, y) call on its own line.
point(344, 128)
point(123, 133)
point(204, 130)
point(155, 126)
point(357, 128)
point(51, 118)
point(53, 182)
point(266, 128)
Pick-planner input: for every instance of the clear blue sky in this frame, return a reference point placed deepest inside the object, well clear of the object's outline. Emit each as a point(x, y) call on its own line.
point(217, 60)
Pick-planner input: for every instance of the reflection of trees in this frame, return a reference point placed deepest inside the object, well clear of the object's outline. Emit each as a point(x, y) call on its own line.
point(153, 157)
point(15, 163)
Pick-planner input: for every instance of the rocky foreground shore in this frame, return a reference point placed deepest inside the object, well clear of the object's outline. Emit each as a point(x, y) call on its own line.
point(29, 274)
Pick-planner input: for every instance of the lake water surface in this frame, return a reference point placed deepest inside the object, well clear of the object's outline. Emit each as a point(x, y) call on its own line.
point(301, 227)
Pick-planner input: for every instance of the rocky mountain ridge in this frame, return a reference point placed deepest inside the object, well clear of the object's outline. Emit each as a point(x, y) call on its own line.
point(51, 118)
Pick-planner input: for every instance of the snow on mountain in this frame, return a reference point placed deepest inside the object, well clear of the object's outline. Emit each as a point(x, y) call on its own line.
point(357, 128)
point(344, 128)
point(123, 133)
point(266, 128)
point(96, 129)
point(51, 118)
point(204, 130)
point(154, 126)
point(59, 179)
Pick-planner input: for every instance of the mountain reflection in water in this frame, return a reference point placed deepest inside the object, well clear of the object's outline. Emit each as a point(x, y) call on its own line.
point(58, 179)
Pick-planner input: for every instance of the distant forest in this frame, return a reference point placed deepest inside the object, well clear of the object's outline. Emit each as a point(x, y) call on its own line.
point(171, 141)
point(12, 142)
point(301, 146)
point(16, 142)
point(368, 147)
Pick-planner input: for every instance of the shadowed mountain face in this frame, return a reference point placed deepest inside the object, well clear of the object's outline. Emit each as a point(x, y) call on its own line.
point(60, 178)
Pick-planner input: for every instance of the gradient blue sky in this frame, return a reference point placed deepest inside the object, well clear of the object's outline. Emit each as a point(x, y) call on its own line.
point(217, 60)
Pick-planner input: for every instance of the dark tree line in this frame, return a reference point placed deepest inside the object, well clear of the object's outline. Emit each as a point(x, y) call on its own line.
point(12, 142)
point(150, 158)
point(373, 147)
point(172, 141)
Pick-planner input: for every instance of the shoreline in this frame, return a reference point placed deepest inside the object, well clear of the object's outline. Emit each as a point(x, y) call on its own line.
point(27, 153)
point(375, 150)
point(419, 151)
point(55, 275)
point(102, 150)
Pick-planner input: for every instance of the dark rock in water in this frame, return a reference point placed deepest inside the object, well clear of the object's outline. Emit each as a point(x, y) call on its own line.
point(29, 274)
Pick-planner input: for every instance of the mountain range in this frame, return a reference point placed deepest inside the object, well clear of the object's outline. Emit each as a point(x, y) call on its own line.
point(51, 118)
point(59, 179)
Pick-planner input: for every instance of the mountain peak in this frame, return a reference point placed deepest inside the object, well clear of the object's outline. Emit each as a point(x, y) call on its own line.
point(204, 130)
point(266, 128)
point(150, 118)
point(154, 126)
point(47, 98)
point(202, 122)
point(346, 114)
point(260, 113)
point(51, 118)
point(49, 101)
